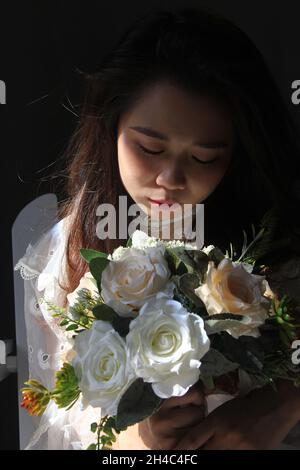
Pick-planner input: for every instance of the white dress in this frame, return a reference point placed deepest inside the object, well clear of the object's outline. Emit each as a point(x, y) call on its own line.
point(43, 269)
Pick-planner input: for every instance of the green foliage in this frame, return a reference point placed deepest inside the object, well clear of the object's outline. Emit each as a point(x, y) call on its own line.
point(66, 391)
point(97, 266)
point(105, 313)
point(121, 325)
point(89, 254)
point(181, 261)
point(106, 433)
point(184, 293)
point(138, 402)
point(92, 447)
point(216, 255)
point(94, 427)
point(263, 242)
point(214, 364)
point(54, 309)
point(285, 318)
point(80, 315)
point(221, 322)
point(65, 394)
point(246, 351)
point(66, 321)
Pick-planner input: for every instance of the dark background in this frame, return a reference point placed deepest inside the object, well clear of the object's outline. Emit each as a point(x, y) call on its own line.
point(42, 44)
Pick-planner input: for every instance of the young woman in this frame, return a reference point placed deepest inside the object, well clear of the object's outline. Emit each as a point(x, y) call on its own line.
point(183, 109)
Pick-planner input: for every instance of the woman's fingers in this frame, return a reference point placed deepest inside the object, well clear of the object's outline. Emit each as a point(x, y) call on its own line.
point(197, 437)
point(194, 396)
point(167, 423)
point(188, 416)
point(177, 415)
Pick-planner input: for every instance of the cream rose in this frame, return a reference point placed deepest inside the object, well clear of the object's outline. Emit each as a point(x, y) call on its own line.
point(166, 344)
point(136, 275)
point(231, 288)
point(102, 366)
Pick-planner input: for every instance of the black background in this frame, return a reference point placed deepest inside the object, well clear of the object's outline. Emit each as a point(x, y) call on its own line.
point(41, 46)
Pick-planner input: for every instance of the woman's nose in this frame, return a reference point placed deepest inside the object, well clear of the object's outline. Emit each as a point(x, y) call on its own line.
point(171, 178)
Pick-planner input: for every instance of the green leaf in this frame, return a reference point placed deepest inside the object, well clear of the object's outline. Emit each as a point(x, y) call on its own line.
point(176, 256)
point(187, 297)
point(89, 254)
point(138, 403)
point(129, 242)
point(97, 266)
point(264, 241)
point(246, 351)
point(104, 312)
point(92, 447)
point(183, 268)
point(171, 260)
point(215, 364)
point(215, 325)
point(226, 316)
point(216, 255)
point(200, 261)
point(84, 320)
point(72, 327)
point(105, 440)
point(94, 427)
point(187, 284)
point(121, 325)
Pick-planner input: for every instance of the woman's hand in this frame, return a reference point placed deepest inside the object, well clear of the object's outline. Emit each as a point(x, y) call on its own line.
point(177, 415)
point(261, 420)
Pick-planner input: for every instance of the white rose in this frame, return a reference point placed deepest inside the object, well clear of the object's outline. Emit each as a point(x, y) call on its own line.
point(231, 288)
point(86, 282)
point(102, 366)
point(141, 240)
point(166, 344)
point(136, 276)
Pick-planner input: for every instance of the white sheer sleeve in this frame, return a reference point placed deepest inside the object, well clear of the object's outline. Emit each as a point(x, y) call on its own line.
point(43, 270)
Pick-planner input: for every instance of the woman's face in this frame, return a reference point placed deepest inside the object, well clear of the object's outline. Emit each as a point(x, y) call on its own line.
point(173, 146)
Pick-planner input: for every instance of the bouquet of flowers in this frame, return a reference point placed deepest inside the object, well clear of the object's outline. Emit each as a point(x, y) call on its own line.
point(153, 318)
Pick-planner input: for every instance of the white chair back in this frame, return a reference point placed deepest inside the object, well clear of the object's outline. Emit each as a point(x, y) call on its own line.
point(31, 223)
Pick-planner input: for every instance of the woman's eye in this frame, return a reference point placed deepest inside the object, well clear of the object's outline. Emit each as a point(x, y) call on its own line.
point(151, 152)
point(205, 162)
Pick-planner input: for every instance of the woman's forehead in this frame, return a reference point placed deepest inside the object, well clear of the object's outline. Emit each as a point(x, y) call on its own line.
point(170, 110)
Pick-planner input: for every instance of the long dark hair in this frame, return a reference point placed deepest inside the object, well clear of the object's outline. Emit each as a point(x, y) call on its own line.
point(201, 52)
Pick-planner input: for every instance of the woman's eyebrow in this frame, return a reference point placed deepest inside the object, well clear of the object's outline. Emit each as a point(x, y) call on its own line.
point(152, 133)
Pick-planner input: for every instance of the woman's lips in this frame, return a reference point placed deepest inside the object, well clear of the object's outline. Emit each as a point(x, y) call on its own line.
point(164, 204)
point(159, 202)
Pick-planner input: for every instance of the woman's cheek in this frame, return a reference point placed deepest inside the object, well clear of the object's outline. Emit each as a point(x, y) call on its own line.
point(135, 168)
point(204, 182)
point(142, 166)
